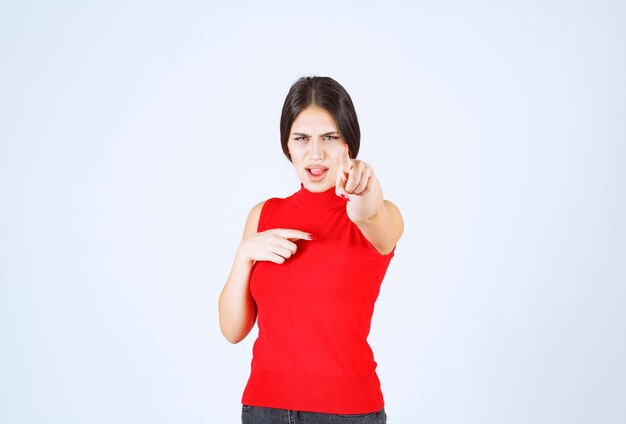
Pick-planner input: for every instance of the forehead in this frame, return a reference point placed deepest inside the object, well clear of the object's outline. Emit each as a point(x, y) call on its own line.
point(314, 119)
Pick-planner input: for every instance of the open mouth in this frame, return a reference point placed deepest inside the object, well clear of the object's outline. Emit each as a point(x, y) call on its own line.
point(316, 173)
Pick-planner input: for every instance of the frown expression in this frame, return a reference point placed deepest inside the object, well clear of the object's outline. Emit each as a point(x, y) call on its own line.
point(315, 146)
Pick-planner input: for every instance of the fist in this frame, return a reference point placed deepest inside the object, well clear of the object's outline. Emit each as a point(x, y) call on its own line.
point(355, 177)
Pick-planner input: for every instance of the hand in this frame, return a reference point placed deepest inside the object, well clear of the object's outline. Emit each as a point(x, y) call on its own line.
point(354, 176)
point(276, 245)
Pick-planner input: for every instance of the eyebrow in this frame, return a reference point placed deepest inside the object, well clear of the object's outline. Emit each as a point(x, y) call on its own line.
point(321, 135)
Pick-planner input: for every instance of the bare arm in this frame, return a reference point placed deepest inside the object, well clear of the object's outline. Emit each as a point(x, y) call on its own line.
point(378, 219)
point(384, 228)
point(237, 309)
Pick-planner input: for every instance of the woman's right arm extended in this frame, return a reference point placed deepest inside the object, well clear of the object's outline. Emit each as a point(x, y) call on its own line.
point(237, 310)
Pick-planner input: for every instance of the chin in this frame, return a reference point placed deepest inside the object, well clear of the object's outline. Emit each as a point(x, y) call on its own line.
point(316, 187)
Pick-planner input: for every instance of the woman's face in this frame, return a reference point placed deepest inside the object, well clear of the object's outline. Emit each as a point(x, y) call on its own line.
point(315, 146)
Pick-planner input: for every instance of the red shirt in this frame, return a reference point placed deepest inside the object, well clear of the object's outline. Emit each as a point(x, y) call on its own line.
point(315, 311)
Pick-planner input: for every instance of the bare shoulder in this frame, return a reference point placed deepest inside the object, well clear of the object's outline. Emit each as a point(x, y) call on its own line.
point(253, 219)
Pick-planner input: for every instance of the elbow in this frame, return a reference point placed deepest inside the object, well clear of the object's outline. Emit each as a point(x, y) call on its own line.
point(235, 325)
point(234, 334)
point(232, 338)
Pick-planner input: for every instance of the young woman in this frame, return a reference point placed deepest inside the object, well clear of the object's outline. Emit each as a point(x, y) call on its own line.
point(310, 267)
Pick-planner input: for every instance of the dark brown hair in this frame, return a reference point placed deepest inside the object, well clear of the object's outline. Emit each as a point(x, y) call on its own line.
point(328, 94)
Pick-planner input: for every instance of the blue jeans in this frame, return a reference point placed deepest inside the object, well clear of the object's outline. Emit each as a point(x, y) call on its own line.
point(260, 415)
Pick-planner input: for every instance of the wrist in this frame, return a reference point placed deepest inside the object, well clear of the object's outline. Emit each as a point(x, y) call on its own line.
point(242, 258)
point(362, 209)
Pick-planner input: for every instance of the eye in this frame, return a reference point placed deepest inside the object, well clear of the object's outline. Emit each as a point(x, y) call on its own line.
point(330, 138)
point(300, 138)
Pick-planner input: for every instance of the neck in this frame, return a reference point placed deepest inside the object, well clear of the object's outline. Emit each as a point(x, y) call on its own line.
point(319, 200)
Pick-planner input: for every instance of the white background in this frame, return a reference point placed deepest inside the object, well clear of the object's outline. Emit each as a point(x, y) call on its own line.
point(135, 137)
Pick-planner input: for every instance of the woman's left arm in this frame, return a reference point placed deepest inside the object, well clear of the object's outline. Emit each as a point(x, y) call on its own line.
point(378, 219)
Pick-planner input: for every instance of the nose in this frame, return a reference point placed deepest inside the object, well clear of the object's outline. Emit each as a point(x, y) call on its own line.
point(317, 150)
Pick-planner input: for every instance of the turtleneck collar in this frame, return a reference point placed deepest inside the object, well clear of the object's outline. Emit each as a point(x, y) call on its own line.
point(322, 200)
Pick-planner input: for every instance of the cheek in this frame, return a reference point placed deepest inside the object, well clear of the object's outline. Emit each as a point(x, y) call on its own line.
point(297, 161)
point(295, 157)
point(295, 151)
point(336, 151)
point(334, 169)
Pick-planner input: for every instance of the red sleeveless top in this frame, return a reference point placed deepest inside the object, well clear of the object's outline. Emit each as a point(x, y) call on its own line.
point(314, 312)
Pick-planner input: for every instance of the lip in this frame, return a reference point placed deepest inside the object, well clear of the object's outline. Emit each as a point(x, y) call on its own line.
point(316, 178)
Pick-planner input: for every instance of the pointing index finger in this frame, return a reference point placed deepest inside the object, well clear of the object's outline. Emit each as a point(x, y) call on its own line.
point(345, 158)
point(295, 234)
